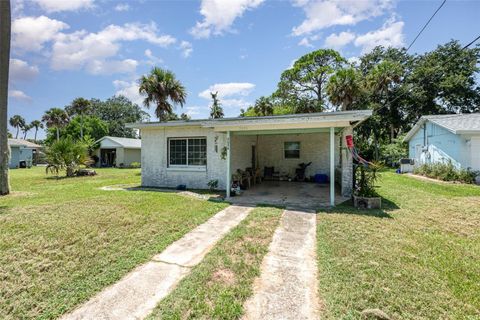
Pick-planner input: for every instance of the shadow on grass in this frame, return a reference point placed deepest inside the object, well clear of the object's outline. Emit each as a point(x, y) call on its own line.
point(348, 208)
point(4, 210)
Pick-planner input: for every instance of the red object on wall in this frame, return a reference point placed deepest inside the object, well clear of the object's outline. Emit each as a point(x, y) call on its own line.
point(349, 140)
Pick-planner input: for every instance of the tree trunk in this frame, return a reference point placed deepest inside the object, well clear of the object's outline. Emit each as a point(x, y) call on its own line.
point(392, 133)
point(58, 134)
point(5, 27)
point(81, 126)
point(18, 128)
point(36, 130)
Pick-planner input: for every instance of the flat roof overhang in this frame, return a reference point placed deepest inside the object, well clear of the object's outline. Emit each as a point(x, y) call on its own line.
point(296, 123)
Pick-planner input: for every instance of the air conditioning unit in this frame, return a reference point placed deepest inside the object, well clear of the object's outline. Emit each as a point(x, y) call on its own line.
point(406, 165)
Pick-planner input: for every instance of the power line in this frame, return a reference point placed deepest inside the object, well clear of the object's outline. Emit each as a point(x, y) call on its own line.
point(426, 24)
point(472, 42)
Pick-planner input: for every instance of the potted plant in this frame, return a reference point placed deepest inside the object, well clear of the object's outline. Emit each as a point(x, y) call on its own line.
point(365, 196)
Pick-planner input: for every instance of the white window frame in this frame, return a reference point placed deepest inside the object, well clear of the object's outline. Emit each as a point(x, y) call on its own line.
point(179, 166)
point(299, 150)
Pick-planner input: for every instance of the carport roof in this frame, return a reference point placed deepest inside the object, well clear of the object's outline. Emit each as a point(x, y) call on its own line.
point(292, 121)
point(128, 143)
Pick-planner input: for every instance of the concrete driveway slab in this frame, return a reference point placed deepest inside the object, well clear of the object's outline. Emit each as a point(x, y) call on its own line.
point(137, 294)
point(287, 286)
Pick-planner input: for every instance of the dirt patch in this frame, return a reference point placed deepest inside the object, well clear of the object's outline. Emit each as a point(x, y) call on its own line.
point(225, 276)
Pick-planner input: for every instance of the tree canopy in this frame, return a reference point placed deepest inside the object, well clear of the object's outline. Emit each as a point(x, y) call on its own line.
point(161, 88)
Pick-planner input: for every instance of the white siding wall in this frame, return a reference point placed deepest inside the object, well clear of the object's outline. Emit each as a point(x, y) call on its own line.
point(155, 172)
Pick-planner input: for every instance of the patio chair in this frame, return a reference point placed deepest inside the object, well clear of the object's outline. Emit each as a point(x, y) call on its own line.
point(269, 173)
point(256, 175)
point(244, 178)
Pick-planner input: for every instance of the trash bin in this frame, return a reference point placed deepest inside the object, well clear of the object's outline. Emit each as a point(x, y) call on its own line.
point(22, 164)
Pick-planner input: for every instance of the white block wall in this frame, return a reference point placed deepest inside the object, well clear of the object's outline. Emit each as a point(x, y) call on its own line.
point(314, 147)
point(155, 172)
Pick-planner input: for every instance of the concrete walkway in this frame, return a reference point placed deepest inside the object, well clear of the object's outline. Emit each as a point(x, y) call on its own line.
point(137, 294)
point(287, 287)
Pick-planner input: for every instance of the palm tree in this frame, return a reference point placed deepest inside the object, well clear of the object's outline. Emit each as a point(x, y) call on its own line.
point(384, 78)
point(25, 129)
point(216, 110)
point(163, 89)
point(263, 107)
point(17, 122)
point(55, 118)
point(344, 89)
point(81, 107)
point(36, 124)
point(5, 29)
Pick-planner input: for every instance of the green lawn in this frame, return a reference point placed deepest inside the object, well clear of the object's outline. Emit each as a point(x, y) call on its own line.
point(417, 259)
point(61, 241)
point(220, 284)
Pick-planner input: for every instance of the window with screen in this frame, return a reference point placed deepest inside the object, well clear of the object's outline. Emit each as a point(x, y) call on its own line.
point(187, 151)
point(292, 150)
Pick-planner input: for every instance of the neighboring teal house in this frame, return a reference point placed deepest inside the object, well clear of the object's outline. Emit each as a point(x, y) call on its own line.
point(443, 138)
point(22, 152)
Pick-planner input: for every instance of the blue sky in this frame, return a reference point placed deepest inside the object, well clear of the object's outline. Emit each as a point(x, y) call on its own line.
point(63, 49)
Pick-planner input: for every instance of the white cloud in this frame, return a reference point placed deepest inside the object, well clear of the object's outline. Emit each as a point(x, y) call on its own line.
point(91, 50)
point(322, 14)
point(186, 48)
point(122, 7)
point(112, 66)
point(152, 60)
point(354, 60)
point(390, 34)
point(305, 42)
point(64, 5)
point(19, 95)
point(21, 71)
point(338, 41)
point(193, 111)
point(129, 90)
point(30, 33)
point(219, 15)
point(228, 90)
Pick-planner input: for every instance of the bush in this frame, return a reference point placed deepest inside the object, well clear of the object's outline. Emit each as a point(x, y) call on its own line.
point(135, 165)
point(365, 179)
point(67, 155)
point(393, 152)
point(213, 185)
point(446, 172)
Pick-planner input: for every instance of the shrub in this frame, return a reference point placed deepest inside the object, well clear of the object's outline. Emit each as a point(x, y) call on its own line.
point(67, 155)
point(365, 179)
point(446, 172)
point(135, 164)
point(393, 152)
point(212, 184)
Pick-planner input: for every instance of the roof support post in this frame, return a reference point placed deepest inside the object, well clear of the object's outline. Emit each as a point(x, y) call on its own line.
point(332, 166)
point(229, 168)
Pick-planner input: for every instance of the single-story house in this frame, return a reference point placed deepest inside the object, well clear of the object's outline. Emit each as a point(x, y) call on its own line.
point(195, 152)
point(118, 152)
point(22, 153)
point(444, 138)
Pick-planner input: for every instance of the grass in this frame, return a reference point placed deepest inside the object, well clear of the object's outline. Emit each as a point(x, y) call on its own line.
point(220, 284)
point(416, 259)
point(63, 240)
